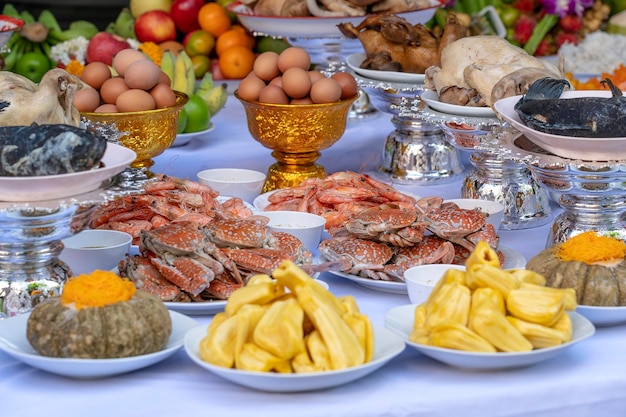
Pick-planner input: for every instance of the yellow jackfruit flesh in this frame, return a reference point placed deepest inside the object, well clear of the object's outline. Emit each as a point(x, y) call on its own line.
point(259, 293)
point(494, 327)
point(482, 254)
point(253, 358)
point(318, 351)
point(452, 301)
point(536, 304)
point(279, 331)
point(495, 297)
point(452, 335)
point(491, 277)
point(538, 335)
point(218, 346)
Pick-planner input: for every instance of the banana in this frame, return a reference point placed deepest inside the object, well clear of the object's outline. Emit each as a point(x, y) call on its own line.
point(168, 63)
point(11, 11)
point(215, 97)
point(184, 76)
point(27, 17)
point(47, 18)
point(124, 25)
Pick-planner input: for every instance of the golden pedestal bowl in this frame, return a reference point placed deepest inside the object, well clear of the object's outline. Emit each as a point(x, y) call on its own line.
point(148, 133)
point(296, 133)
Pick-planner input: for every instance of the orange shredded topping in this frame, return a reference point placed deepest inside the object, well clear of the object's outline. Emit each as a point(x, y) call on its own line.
point(153, 51)
point(75, 67)
point(97, 289)
point(618, 77)
point(590, 248)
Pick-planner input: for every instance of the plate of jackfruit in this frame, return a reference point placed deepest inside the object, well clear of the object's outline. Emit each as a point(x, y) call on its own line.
point(467, 355)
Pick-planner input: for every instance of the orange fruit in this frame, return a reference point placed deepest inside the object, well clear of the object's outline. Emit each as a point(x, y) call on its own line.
point(199, 42)
point(213, 18)
point(173, 46)
point(232, 37)
point(250, 37)
point(236, 62)
point(201, 64)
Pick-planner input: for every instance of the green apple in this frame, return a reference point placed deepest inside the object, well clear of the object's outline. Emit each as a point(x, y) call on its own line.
point(138, 7)
point(33, 66)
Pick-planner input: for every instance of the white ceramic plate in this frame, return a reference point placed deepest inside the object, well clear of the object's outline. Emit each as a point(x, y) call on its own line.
point(400, 321)
point(262, 201)
point(603, 316)
point(354, 62)
point(299, 27)
point(432, 99)
point(116, 159)
point(13, 341)
point(386, 346)
point(513, 259)
point(184, 138)
point(590, 149)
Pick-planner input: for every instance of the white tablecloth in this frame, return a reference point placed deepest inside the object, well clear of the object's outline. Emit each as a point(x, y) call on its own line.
point(589, 379)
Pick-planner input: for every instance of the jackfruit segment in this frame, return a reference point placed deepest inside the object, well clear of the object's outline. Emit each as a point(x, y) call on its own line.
point(490, 295)
point(527, 276)
point(493, 326)
point(540, 336)
point(451, 276)
point(492, 277)
point(452, 302)
point(536, 304)
point(453, 335)
point(482, 254)
point(307, 329)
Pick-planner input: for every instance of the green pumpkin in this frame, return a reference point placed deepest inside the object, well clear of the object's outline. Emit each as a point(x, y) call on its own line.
point(138, 326)
point(595, 285)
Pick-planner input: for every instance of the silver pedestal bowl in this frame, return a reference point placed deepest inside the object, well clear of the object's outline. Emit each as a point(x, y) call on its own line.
point(416, 152)
point(591, 193)
point(507, 181)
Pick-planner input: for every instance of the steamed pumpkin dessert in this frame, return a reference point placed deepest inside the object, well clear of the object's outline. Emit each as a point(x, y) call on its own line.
point(590, 263)
point(99, 315)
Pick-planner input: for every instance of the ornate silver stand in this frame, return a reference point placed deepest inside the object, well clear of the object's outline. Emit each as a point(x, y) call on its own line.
point(509, 182)
point(591, 193)
point(30, 244)
point(416, 152)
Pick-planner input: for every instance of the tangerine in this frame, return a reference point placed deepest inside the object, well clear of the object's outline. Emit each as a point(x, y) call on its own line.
point(199, 42)
point(236, 62)
point(251, 38)
point(232, 37)
point(213, 18)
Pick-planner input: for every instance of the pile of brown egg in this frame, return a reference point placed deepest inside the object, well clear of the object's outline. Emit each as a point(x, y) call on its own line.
point(137, 84)
point(286, 78)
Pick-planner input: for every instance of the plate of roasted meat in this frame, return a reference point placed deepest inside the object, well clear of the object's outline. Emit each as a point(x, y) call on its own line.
point(355, 61)
point(584, 124)
point(272, 23)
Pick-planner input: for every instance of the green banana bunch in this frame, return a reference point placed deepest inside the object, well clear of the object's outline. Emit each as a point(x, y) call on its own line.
point(180, 70)
point(124, 25)
point(75, 29)
point(31, 38)
point(214, 95)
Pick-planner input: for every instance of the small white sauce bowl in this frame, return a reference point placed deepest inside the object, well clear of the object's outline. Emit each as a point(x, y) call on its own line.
point(94, 249)
point(493, 209)
point(307, 227)
point(243, 183)
point(420, 280)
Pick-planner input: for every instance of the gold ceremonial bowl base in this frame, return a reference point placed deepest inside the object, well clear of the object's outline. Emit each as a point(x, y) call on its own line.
point(296, 133)
point(148, 133)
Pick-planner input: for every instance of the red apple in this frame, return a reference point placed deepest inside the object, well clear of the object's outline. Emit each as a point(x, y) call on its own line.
point(103, 46)
point(155, 26)
point(185, 14)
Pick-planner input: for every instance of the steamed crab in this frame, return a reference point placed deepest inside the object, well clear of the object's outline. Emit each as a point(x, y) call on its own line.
point(182, 262)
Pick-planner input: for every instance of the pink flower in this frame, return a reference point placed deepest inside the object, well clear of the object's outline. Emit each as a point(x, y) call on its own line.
point(564, 7)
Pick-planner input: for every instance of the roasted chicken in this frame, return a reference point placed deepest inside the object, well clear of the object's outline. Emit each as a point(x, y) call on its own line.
point(479, 70)
point(391, 43)
point(22, 102)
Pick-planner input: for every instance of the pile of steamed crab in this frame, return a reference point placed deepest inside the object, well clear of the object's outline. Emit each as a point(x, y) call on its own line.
point(378, 232)
point(193, 247)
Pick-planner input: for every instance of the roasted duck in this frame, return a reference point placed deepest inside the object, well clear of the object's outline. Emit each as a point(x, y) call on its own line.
point(542, 109)
point(391, 43)
point(48, 150)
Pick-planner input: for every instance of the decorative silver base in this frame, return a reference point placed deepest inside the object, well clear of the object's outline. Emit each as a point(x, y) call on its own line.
point(418, 153)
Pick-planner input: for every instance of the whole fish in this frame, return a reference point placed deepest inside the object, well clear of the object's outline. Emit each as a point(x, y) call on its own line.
point(542, 109)
point(48, 150)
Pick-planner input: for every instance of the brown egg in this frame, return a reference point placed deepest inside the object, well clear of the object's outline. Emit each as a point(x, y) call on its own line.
point(250, 87)
point(143, 74)
point(315, 75)
point(106, 108)
point(266, 66)
point(325, 90)
point(294, 57)
point(135, 100)
point(164, 79)
point(163, 96)
point(124, 58)
point(274, 95)
point(278, 81)
point(112, 88)
point(95, 74)
point(348, 84)
point(86, 99)
point(296, 82)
